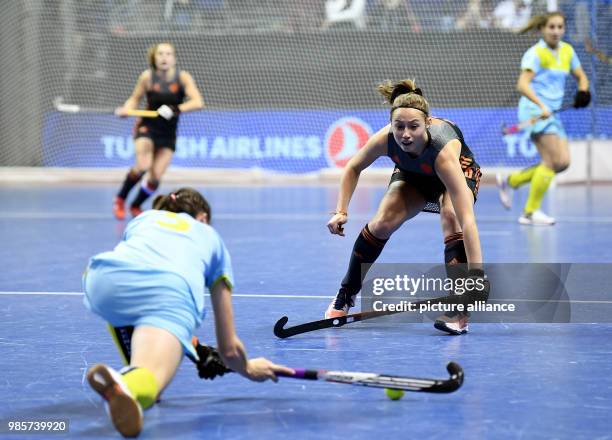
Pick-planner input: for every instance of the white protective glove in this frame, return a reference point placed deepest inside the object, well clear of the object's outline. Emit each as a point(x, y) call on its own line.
point(165, 112)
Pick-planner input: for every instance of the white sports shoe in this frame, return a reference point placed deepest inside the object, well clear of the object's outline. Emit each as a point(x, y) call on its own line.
point(125, 411)
point(340, 305)
point(536, 218)
point(453, 326)
point(505, 191)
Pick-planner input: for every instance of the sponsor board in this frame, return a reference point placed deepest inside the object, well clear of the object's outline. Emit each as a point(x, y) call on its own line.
point(290, 141)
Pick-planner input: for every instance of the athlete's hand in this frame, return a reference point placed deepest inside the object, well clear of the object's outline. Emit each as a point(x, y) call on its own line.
point(261, 369)
point(165, 112)
point(122, 112)
point(335, 224)
point(546, 113)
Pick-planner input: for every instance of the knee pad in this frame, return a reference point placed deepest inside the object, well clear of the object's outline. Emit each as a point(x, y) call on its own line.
point(455, 259)
point(454, 249)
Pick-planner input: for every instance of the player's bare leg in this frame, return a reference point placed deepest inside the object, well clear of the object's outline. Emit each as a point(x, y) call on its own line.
point(156, 355)
point(400, 203)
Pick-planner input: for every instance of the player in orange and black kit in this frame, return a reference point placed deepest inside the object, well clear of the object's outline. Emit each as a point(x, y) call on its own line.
point(169, 91)
point(435, 171)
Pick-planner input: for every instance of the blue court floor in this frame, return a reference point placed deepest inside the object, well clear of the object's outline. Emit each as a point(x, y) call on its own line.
point(545, 381)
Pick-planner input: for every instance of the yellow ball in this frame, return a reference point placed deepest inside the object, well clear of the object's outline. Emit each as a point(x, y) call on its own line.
point(394, 394)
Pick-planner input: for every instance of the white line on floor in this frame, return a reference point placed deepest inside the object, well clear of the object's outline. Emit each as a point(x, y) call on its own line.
point(276, 216)
point(272, 295)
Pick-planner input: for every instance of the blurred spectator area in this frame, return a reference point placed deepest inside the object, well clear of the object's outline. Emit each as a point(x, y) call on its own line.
point(143, 17)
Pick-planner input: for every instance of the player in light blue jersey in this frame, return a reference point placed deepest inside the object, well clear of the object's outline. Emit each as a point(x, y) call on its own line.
point(544, 69)
point(150, 290)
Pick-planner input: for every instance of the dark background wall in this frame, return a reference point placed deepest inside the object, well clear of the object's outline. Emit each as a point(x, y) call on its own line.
point(335, 69)
point(91, 52)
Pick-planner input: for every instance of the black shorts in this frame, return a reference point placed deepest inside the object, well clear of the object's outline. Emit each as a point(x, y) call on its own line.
point(431, 187)
point(159, 139)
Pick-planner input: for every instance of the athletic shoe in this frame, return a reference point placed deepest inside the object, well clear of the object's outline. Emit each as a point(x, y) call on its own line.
point(454, 326)
point(340, 305)
point(135, 211)
point(505, 191)
point(536, 218)
point(124, 409)
point(119, 208)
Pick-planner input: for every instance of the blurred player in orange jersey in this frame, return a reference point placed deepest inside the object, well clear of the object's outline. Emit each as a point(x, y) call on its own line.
point(170, 91)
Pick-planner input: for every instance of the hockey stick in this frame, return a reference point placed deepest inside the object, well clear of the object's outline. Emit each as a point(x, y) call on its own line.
point(60, 106)
point(515, 128)
point(211, 365)
point(386, 381)
point(281, 332)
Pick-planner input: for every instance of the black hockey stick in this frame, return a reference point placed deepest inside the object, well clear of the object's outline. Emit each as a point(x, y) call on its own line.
point(281, 332)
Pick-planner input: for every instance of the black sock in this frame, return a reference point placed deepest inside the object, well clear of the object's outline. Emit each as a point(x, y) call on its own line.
point(454, 255)
point(455, 261)
point(146, 189)
point(366, 250)
point(132, 178)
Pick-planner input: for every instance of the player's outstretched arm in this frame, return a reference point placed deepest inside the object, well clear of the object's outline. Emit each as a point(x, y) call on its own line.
point(231, 349)
point(375, 147)
point(450, 172)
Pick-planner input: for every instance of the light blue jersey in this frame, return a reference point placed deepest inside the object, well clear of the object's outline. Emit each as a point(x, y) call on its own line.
point(157, 274)
point(551, 69)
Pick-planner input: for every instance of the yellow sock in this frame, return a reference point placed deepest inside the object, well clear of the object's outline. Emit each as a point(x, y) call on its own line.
point(521, 177)
point(539, 184)
point(143, 386)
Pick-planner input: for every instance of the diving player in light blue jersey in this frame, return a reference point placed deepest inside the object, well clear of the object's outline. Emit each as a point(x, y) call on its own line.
point(544, 69)
point(150, 289)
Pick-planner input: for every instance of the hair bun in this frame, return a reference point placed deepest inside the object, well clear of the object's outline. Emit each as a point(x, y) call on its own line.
point(399, 90)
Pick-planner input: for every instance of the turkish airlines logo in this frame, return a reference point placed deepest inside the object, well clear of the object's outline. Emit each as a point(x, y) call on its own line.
point(344, 139)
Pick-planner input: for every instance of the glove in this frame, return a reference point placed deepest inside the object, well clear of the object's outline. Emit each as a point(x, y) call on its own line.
point(210, 364)
point(167, 112)
point(582, 98)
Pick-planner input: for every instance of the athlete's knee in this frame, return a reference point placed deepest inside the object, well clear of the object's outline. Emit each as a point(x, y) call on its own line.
point(136, 173)
point(448, 217)
point(385, 224)
point(143, 164)
point(560, 165)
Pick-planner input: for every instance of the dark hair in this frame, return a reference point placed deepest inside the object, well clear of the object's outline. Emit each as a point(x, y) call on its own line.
point(403, 94)
point(186, 200)
point(540, 21)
